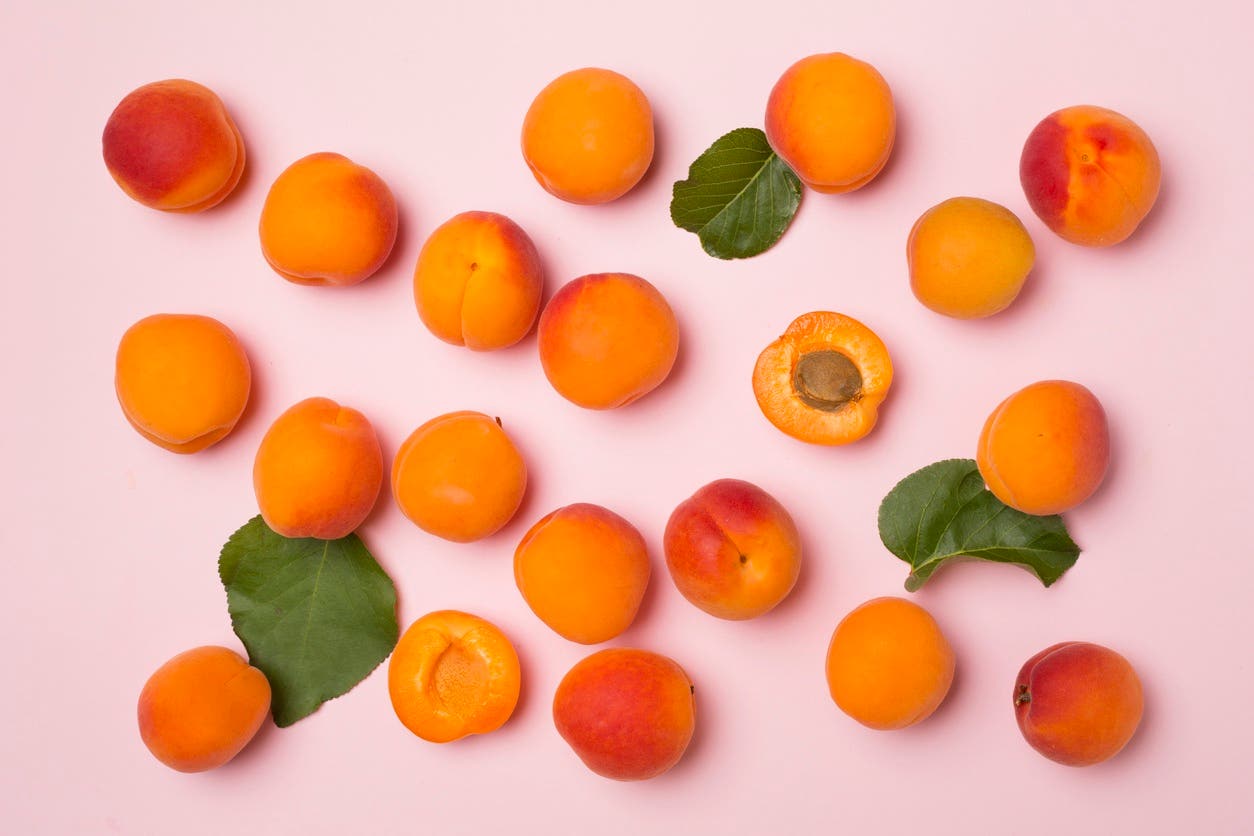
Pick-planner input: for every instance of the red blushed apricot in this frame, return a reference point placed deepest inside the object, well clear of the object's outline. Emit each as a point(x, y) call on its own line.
point(1045, 449)
point(733, 550)
point(628, 714)
point(1091, 174)
point(201, 708)
point(1078, 703)
point(171, 145)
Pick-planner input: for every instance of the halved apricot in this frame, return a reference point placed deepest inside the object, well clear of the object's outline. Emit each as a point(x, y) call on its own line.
point(823, 380)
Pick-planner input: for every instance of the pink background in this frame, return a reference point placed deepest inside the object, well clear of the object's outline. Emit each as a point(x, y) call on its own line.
point(110, 543)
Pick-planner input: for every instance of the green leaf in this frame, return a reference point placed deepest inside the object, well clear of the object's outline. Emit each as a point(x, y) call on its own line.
point(317, 616)
point(739, 196)
point(944, 511)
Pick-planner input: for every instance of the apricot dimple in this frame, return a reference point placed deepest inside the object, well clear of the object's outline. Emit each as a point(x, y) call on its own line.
point(826, 380)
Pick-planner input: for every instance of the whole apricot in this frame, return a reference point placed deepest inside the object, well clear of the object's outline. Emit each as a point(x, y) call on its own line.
point(318, 470)
point(182, 380)
point(201, 708)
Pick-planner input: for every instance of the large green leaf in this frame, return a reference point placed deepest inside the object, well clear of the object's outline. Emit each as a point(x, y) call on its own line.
point(317, 616)
point(944, 511)
point(739, 196)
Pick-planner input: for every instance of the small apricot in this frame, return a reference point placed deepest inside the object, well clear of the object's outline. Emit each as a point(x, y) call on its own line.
point(823, 380)
point(588, 136)
point(182, 380)
point(459, 477)
point(453, 674)
point(478, 281)
point(318, 470)
point(172, 146)
point(968, 257)
point(327, 221)
point(1045, 449)
point(583, 570)
point(201, 708)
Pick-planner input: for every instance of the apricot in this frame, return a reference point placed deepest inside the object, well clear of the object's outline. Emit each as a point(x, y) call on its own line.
point(732, 550)
point(1045, 449)
point(172, 146)
point(459, 477)
point(628, 714)
point(327, 221)
point(588, 136)
point(1078, 703)
point(968, 257)
point(453, 674)
point(607, 339)
point(318, 470)
point(831, 118)
point(889, 665)
point(583, 570)
point(823, 380)
point(201, 708)
point(182, 380)
point(1092, 175)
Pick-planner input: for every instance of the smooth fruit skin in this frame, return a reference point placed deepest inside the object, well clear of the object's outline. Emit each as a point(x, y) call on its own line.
point(732, 550)
point(889, 665)
point(628, 714)
point(968, 258)
point(1078, 703)
point(1091, 174)
point(327, 221)
point(607, 339)
point(1046, 448)
point(318, 470)
point(478, 281)
point(453, 674)
point(459, 476)
point(588, 136)
point(831, 118)
point(201, 708)
point(172, 146)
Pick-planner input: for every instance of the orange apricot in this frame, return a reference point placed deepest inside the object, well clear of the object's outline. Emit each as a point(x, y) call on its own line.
point(1092, 175)
point(201, 708)
point(607, 339)
point(453, 674)
point(318, 470)
point(459, 476)
point(327, 221)
point(823, 380)
point(831, 118)
point(888, 664)
point(1045, 449)
point(478, 281)
point(968, 258)
point(172, 146)
point(182, 380)
point(583, 570)
point(588, 136)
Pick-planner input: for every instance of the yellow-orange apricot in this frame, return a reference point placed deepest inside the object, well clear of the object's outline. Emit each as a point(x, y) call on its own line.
point(1045, 449)
point(478, 281)
point(583, 570)
point(968, 257)
point(453, 674)
point(823, 380)
point(171, 145)
point(318, 470)
point(201, 708)
point(588, 136)
point(831, 118)
point(327, 221)
point(889, 665)
point(607, 339)
point(182, 380)
point(459, 476)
